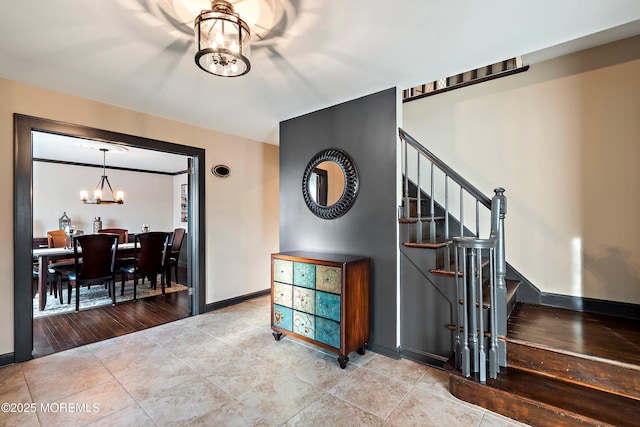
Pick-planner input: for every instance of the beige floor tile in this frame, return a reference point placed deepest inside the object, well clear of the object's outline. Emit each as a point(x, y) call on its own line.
point(186, 403)
point(63, 374)
point(250, 341)
point(435, 381)
point(241, 375)
point(86, 406)
point(124, 344)
point(402, 370)
point(130, 416)
point(371, 391)
point(19, 418)
point(136, 358)
point(421, 408)
point(13, 385)
point(210, 359)
point(490, 419)
point(281, 397)
point(156, 377)
point(323, 371)
point(222, 330)
point(285, 353)
point(331, 411)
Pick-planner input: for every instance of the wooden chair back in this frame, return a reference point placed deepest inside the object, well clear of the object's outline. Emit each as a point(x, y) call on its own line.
point(123, 234)
point(56, 239)
point(98, 257)
point(176, 240)
point(151, 252)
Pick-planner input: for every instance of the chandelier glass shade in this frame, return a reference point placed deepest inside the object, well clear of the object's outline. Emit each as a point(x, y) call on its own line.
point(222, 41)
point(99, 195)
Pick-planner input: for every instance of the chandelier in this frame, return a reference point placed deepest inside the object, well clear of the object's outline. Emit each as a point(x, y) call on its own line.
point(98, 193)
point(222, 41)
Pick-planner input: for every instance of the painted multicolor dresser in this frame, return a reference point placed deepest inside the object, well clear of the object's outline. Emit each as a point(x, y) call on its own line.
point(323, 299)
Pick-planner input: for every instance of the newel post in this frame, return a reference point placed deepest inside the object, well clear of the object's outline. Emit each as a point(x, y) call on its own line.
point(498, 212)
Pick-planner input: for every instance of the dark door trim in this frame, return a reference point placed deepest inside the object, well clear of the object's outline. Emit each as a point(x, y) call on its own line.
point(23, 215)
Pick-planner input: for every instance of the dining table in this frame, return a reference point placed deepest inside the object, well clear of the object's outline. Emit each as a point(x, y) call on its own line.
point(44, 255)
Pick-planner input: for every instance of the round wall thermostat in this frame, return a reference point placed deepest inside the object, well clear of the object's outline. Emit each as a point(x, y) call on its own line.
point(221, 171)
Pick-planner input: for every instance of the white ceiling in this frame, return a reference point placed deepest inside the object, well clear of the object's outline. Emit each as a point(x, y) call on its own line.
point(135, 54)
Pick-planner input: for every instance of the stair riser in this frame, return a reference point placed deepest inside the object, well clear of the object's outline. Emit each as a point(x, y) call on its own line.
point(594, 373)
point(513, 406)
point(426, 226)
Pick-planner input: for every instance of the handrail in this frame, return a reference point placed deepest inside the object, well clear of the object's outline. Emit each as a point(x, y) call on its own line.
point(468, 187)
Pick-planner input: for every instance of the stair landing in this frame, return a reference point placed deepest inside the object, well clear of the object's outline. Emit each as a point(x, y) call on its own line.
point(564, 368)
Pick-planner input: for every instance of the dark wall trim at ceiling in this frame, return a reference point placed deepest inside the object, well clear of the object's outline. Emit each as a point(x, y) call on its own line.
point(591, 305)
point(469, 83)
point(89, 165)
point(237, 300)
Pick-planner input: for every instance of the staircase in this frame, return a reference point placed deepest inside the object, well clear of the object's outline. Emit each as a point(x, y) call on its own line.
point(565, 368)
point(463, 309)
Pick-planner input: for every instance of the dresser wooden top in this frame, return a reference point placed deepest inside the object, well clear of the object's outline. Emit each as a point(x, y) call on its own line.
point(318, 256)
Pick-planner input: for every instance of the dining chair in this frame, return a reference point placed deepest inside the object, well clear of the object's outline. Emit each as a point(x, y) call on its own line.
point(123, 234)
point(95, 264)
point(150, 258)
point(59, 270)
point(174, 254)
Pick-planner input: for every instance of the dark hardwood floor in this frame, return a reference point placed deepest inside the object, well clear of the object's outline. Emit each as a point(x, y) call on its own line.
point(60, 332)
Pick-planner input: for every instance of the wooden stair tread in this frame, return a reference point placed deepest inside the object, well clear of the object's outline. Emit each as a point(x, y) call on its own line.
point(413, 220)
point(592, 335)
point(435, 245)
point(541, 400)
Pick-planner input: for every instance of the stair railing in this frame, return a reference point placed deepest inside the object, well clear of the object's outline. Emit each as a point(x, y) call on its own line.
point(470, 255)
point(471, 332)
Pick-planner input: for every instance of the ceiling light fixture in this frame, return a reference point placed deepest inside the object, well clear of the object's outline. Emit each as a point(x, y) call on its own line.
point(98, 193)
point(222, 41)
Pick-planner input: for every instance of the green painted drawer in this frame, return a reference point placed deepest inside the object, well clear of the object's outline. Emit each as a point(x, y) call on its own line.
point(304, 299)
point(328, 305)
point(329, 279)
point(282, 294)
point(282, 317)
point(328, 332)
point(283, 271)
point(304, 275)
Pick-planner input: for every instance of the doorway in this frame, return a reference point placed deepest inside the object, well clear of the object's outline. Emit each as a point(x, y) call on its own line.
point(23, 215)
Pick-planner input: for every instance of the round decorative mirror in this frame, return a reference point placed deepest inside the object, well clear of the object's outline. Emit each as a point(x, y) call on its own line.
point(330, 183)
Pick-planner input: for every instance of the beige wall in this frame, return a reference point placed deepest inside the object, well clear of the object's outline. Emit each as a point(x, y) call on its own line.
point(149, 199)
point(564, 140)
point(241, 210)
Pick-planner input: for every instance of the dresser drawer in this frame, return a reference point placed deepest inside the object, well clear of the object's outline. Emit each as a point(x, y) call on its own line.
point(304, 324)
point(304, 275)
point(328, 332)
point(304, 299)
point(329, 279)
point(282, 294)
point(283, 271)
point(283, 317)
point(328, 305)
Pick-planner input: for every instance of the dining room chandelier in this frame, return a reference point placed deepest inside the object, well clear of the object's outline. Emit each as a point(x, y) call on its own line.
point(222, 41)
point(99, 193)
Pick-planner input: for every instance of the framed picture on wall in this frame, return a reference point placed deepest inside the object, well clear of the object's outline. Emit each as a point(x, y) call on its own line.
point(184, 202)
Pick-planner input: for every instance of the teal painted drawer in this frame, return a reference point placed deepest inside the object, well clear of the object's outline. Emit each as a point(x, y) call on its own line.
point(282, 294)
point(329, 279)
point(328, 332)
point(282, 317)
point(304, 299)
point(283, 271)
point(304, 275)
point(304, 324)
point(328, 305)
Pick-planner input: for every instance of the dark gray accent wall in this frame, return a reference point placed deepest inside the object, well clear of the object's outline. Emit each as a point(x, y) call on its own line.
point(367, 130)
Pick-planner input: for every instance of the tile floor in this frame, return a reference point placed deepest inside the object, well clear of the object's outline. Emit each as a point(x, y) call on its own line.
point(225, 369)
